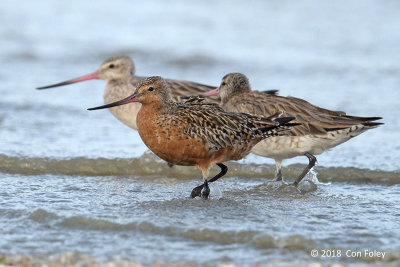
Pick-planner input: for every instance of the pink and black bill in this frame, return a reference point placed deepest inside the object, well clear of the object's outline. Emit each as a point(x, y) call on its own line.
point(91, 76)
point(211, 93)
point(129, 99)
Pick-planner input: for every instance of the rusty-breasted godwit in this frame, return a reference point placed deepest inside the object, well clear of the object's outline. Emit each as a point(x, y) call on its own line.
point(121, 81)
point(320, 129)
point(195, 133)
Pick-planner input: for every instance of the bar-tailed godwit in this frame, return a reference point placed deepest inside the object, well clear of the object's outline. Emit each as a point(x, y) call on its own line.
point(320, 129)
point(121, 81)
point(195, 133)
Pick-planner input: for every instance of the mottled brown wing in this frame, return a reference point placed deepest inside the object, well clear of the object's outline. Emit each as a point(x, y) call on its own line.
point(218, 128)
point(187, 88)
point(193, 99)
point(313, 119)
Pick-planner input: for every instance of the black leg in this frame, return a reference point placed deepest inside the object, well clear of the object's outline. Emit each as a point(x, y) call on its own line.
point(197, 190)
point(223, 171)
point(206, 191)
point(279, 175)
point(311, 163)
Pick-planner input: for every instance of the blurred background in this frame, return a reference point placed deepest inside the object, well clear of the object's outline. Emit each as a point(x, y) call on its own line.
point(341, 55)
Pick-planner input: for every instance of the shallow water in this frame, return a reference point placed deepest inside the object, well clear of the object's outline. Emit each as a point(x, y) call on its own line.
point(146, 217)
point(73, 180)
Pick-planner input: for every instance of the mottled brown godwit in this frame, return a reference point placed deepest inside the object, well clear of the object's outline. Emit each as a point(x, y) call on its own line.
point(196, 133)
point(121, 81)
point(320, 129)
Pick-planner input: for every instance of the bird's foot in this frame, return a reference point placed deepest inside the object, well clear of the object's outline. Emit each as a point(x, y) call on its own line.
point(202, 191)
point(196, 192)
point(206, 190)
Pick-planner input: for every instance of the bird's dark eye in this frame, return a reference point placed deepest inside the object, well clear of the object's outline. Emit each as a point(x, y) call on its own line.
point(112, 66)
point(150, 89)
point(223, 83)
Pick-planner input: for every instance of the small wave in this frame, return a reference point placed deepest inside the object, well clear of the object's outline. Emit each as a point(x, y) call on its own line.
point(289, 242)
point(41, 215)
point(145, 165)
point(149, 164)
point(11, 213)
point(257, 239)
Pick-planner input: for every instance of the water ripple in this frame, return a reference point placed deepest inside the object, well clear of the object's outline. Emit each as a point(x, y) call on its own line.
point(148, 164)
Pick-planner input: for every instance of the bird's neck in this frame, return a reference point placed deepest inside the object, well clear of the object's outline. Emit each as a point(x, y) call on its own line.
point(117, 89)
point(154, 107)
point(148, 116)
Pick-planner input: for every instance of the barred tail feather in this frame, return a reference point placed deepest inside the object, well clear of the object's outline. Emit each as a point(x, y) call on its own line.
point(282, 127)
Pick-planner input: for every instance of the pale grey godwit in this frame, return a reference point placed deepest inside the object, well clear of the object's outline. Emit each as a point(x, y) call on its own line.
point(121, 81)
point(320, 129)
point(195, 133)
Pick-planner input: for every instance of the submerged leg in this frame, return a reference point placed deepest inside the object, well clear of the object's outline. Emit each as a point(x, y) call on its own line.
point(197, 190)
point(206, 191)
point(311, 163)
point(278, 175)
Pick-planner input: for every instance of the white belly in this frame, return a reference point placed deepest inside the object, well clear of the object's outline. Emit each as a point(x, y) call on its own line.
point(285, 147)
